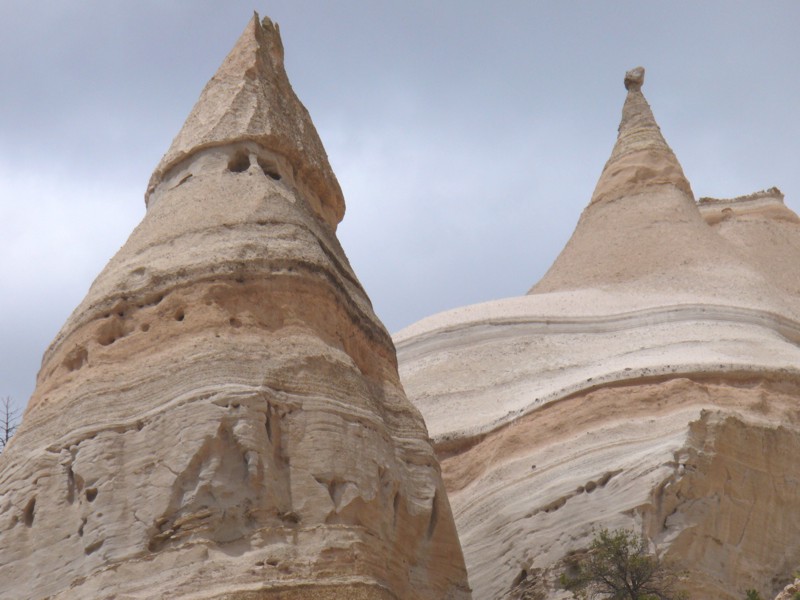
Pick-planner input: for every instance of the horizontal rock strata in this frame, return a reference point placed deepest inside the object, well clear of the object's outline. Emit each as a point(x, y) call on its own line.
point(648, 381)
point(222, 415)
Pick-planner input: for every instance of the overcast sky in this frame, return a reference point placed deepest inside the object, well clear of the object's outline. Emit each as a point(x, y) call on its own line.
point(467, 136)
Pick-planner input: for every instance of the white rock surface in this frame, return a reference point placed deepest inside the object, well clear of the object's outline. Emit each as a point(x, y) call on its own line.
point(222, 415)
point(650, 380)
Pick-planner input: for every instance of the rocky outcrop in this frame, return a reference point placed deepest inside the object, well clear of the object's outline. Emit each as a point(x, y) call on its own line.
point(763, 229)
point(790, 591)
point(222, 416)
point(648, 381)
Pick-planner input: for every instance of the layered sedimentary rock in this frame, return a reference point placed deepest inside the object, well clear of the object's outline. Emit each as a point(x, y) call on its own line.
point(764, 230)
point(222, 416)
point(650, 380)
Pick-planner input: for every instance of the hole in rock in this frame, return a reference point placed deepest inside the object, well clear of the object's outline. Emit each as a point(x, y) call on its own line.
point(240, 162)
point(556, 504)
point(76, 358)
point(91, 494)
point(27, 514)
point(70, 485)
point(434, 515)
point(179, 315)
point(80, 529)
point(604, 479)
point(235, 322)
point(145, 327)
point(93, 547)
point(289, 517)
point(110, 332)
point(270, 169)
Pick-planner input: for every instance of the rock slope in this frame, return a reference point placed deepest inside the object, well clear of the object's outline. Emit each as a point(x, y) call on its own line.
point(222, 416)
point(649, 380)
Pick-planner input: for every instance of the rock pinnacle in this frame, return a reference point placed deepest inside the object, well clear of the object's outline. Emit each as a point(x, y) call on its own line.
point(641, 157)
point(222, 416)
point(250, 99)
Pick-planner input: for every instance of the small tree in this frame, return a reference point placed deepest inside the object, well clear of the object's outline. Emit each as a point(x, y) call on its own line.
point(8, 421)
point(619, 566)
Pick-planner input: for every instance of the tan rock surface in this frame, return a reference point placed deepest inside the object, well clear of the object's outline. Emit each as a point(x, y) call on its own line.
point(643, 235)
point(641, 158)
point(764, 229)
point(222, 416)
point(649, 381)
point(250, 99)
point(790, 591)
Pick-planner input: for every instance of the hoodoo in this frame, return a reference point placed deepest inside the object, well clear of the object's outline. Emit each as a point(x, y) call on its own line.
point(642, 234)
point(641, 159)
point(649, 381)
point(222, 416)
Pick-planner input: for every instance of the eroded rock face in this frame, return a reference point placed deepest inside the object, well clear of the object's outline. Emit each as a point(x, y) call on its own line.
point(222, 416)
point(649, 381)
point(790, 591)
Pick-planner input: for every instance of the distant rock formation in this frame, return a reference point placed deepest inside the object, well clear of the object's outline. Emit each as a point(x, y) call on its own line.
point(650, 380)
point(222, 416)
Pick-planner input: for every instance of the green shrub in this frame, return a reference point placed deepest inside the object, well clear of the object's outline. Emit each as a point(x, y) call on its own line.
point(619, 566)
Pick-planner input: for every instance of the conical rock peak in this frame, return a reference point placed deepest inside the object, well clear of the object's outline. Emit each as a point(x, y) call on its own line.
point(222, 416)
point(642, 234)
point(250, 99)
point(641, 157)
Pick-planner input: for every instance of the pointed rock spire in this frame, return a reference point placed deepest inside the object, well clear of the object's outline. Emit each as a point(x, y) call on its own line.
point(641, 157)
point(250, 99)
point(642, 233)
point(222, 416)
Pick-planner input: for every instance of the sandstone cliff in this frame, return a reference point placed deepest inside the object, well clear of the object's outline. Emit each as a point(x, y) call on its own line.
point(649, 381)
point(222, 416)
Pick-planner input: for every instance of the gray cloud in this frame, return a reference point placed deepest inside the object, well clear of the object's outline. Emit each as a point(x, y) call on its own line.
point(467, 139)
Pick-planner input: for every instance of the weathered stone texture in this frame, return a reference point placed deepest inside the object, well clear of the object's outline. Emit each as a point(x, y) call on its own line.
point(650, 380)
point(222, 415)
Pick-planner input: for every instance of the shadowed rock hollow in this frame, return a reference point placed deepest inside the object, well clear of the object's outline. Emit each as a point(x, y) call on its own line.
point(222, 416)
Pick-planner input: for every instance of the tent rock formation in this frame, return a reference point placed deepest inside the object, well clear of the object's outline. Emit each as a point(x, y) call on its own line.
point(649, 381)
point(222, 417)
